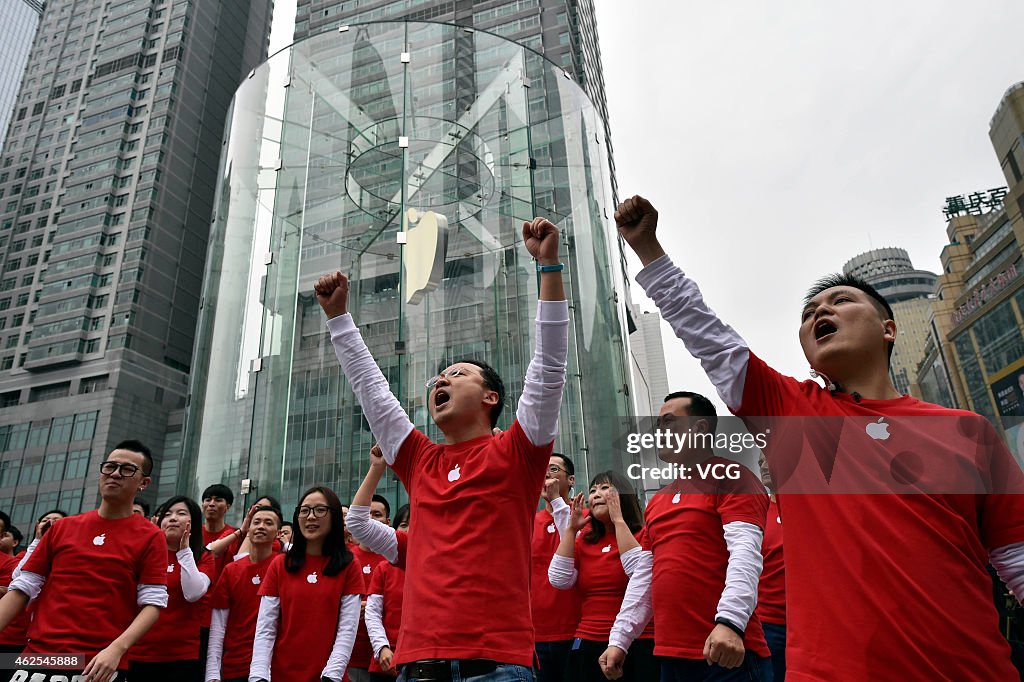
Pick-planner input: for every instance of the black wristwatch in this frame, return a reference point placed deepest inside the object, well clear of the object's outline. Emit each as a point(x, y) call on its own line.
point(729, 624)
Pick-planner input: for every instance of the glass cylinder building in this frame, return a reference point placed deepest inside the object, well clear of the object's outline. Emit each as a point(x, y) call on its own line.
point(406, 155)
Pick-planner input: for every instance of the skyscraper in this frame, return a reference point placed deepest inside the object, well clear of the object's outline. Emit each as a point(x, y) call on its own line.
point(106, 193)
point(909, 292)
point(406, 154)
point(19, 20)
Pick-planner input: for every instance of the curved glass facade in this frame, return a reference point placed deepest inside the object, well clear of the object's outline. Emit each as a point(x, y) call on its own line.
point(406, 155)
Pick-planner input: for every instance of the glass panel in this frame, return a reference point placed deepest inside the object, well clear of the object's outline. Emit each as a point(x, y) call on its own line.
point(454, 148)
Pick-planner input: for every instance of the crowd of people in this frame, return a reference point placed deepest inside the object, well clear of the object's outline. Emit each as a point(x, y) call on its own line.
point(486, 588)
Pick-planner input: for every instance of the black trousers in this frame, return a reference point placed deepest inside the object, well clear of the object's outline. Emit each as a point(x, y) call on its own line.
point(641, 663)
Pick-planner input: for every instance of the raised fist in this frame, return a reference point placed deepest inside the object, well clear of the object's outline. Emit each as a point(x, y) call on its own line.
point(541, 237)
point(332, 294)
point(637, 221)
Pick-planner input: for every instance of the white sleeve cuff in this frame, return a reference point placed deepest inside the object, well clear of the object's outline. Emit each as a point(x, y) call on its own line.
point(194, 583)
point(1009, 564)
point(629, 559)
point(345, 638)
point(152, 595)
point(560, 512)
point(29, 583)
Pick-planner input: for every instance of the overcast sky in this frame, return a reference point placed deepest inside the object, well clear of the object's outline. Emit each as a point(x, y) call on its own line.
point(780, 139)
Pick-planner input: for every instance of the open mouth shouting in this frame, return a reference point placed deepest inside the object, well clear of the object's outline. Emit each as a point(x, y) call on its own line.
point(824, 329)
point(441, 398)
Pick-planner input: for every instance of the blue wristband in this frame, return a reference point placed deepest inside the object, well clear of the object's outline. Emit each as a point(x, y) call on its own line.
point(550, 268)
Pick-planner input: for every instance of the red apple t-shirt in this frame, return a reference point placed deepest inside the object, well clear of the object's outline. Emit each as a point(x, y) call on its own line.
point(685, 532)
point(601, 583)
point(93, 567)
point(388, 581)
point(175, 635)
point(238, 591)
point(473, 504)
point(893, 578)
point(556, 613)
point(310, 608)
point(362, 650)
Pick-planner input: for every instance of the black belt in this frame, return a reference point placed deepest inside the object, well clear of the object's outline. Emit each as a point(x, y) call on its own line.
point(440, 670)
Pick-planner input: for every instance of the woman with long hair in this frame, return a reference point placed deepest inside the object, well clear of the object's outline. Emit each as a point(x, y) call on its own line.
point(384, 608)
point(170, 650)
point(596, 556)
point(310, 599)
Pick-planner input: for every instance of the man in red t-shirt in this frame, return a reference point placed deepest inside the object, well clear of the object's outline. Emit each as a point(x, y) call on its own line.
point(466, 609)
point(699, 570)
point(885, 586)
point(236, 602)
point(556, 613)
point(362, 651)
point(104, 574)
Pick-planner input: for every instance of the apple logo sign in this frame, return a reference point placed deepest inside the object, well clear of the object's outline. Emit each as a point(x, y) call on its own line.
point(878, 430)
point(170, 568)
point(367, 569)
point(99, 539)
point(551, 528)
point(454, 474)
point(311, 578)
point(606, 549)
point(676, 498)
point(426, 241)
point(256, 579)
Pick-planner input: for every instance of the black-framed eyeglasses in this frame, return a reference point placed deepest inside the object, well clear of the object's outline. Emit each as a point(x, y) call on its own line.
point(553, 469)
point(126, 470)
point(318, 512)
point(453, 372)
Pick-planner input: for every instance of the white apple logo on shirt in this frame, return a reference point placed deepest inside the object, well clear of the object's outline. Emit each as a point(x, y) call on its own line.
point(170, 568)
point(551, 528)
point(99, 539)
point(676, 498)
point(878, 430)
point(454, 474)
point(367, 569)
point(311, 578)
point(778, 519)
point(606, 548)
point(256, 579)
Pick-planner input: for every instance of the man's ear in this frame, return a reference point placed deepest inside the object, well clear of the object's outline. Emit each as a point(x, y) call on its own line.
point(491, 397)
point(572, 480)
point(146, 480)
point(890, 331)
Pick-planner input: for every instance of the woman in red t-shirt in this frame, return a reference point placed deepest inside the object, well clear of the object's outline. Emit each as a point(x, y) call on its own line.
point(309, 600)
point(384, 609)
point(170, 650)
point(596, 556)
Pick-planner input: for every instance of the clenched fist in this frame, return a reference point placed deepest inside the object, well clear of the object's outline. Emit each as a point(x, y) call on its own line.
point(541, 237)
point(637, 221)
point(332, 294)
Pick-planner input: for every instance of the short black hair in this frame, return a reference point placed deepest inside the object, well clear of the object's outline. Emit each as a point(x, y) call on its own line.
point(276, 511)
point(219, 490)
point(6, 520)
point(700, 406)
point(16, 534)
point(136, 446)
point(570, 470)
point(854, 282)
point(383, 500)
point(144, 505)
point(272, 500)
point(492, 380)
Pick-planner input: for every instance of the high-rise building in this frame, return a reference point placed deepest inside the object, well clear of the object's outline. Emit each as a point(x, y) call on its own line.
point(19, 20)
point(979, 317)
point(106, 192)
point(909, 292)
point(650, 376)
point(408, 155)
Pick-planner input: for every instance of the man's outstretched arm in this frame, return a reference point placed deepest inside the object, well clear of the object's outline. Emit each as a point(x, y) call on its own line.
point(539, 404)
point(723, 354)
point(388, 421)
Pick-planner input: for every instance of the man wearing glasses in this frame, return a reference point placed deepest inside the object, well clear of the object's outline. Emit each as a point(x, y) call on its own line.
point(556, 613)
point(467, 604)
point(100, 577)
